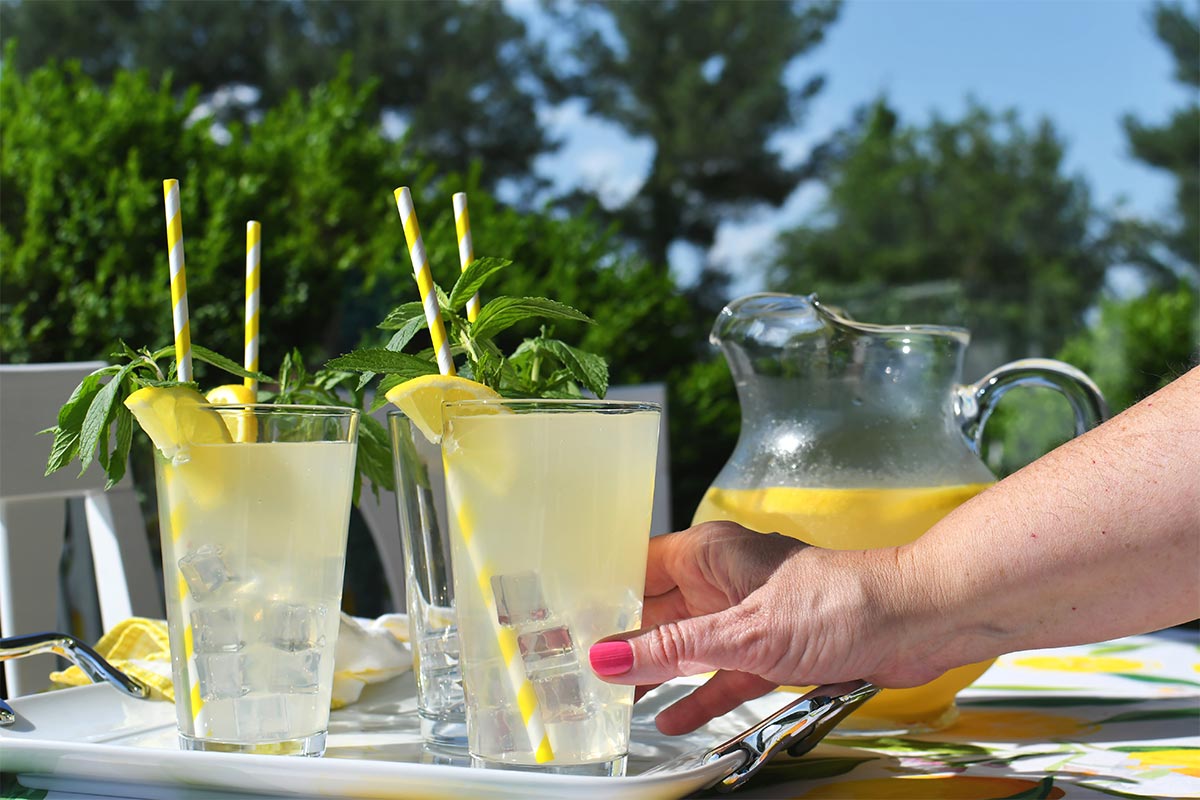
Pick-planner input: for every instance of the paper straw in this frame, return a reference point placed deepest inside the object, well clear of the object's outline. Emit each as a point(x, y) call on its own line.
point(420, 262)
point(253, 264)
point(466, 254)
point(183, 334)
point(506, 637)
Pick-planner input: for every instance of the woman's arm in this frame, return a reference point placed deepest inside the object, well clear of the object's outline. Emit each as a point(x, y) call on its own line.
point(1098, 539)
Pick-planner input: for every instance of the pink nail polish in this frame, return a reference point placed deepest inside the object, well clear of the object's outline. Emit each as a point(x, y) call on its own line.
point(611, 658)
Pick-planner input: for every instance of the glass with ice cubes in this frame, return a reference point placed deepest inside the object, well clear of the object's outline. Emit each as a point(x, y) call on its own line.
point(253, 545)
point(429, 590)
point(549, 507)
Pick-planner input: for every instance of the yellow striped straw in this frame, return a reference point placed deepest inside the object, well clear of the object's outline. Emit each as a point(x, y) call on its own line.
point(506, 637)
point(420, 262)
point(466, 253)
point(179, 306)
point(253, 265)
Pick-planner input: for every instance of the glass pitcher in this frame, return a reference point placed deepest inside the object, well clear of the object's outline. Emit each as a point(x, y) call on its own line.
point(860, 436)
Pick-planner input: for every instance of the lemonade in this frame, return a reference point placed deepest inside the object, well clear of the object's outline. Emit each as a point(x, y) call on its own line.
point(549, 526)
point(253, 545)
point(853, 519)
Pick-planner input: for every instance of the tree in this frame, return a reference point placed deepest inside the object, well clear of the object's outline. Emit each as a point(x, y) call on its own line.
point(979, 205)
point(705, 82)
point(460, 77)
point(1175, 145)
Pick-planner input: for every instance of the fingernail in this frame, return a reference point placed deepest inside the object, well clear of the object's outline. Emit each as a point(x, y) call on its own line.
point(611, 658)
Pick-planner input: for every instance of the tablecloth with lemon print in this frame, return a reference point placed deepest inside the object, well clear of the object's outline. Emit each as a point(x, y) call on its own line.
point(1120, 719)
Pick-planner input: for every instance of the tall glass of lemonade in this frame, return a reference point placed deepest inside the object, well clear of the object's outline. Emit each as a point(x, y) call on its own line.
point(549, 504)
point(254, 512)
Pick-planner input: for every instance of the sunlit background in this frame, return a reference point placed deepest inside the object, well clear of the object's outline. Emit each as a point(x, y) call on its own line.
point(1026, 170)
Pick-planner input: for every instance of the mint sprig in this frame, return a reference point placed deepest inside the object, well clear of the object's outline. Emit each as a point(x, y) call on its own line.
point(84, 428)
point(542, 366)
point(327, 387)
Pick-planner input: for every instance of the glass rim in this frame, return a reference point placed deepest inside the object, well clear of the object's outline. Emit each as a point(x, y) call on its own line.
point(288, 408)
point(560, 405)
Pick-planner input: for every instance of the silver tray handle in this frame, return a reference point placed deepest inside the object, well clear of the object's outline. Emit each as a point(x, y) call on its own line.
point(795, 728)
point(61, 644)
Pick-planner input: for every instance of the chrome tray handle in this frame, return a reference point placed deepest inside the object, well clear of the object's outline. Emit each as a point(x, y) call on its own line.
point(62, 644)
point(796, 728)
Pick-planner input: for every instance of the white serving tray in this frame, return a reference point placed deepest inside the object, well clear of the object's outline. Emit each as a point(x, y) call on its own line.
point(93, 739)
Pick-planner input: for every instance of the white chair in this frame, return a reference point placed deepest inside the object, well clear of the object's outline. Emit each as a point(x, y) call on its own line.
point(33, 521)
point(380, 515)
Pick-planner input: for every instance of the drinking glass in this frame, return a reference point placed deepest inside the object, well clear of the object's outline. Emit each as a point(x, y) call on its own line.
point(549, 505)
point(254, 547)
point(429, 589)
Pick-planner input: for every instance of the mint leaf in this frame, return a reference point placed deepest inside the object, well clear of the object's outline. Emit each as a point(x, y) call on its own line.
point(586, 368)
point(473, 278)
point(405, 333)
point(120, 454)
point(227, 364)
point(374, 460)
point(99, 415)
point(389, 362)
point(504, 312)
point(70, 420)
point(403, 315)
point(386, 383)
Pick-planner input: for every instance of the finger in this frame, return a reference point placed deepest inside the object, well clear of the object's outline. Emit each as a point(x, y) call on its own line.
point(664, 608)
point(721, 694)
point(724, 640)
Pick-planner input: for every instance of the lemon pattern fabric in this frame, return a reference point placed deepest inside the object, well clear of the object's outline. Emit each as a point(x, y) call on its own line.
point(1120, 719)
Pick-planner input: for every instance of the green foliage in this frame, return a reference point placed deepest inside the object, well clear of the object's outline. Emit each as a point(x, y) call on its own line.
point(979, 205)
point(82, 234)
point(538, 367)
point(704, 82)
point(479, 103)
point(1175, 145)
point(1139, 345)
point(83, 244)
point(1136, 347)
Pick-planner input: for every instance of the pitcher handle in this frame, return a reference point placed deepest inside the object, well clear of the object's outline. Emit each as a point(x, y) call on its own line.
point(976, 401)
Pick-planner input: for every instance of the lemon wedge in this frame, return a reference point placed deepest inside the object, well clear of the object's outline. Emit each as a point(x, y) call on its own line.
point(175, 417)
point(421, 399)
point(243, 427)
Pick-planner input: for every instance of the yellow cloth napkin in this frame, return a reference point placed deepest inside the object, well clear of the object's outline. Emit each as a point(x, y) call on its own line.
point(368, 651)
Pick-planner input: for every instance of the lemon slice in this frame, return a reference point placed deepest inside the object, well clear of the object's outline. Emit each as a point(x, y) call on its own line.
point(175, 417)
point(421, 399)
point(243, 427)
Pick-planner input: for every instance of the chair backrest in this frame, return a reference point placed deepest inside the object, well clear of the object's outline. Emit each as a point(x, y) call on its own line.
point(380, 515)
point(33, 518)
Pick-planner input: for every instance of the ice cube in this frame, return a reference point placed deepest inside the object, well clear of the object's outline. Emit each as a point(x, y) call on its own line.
point(496, 729)
point(216, 630)
point(519, 599)
point(205, 570)
point(222, 675)
point(561, 695)
point(291, 626)
point(294, 672)
point(261, 717)
point(439, 649)
point(544, 643)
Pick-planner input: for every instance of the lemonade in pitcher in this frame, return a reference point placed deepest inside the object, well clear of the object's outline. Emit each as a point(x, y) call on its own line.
point(857, 519)
point(858, 436)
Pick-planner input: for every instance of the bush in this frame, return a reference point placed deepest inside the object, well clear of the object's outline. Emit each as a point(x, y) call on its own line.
point(83, 242)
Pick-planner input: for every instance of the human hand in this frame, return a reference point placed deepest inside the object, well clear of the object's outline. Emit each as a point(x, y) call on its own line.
point(762, 610)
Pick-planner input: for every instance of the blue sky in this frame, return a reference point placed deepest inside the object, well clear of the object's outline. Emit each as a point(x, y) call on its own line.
point(1080, 63)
